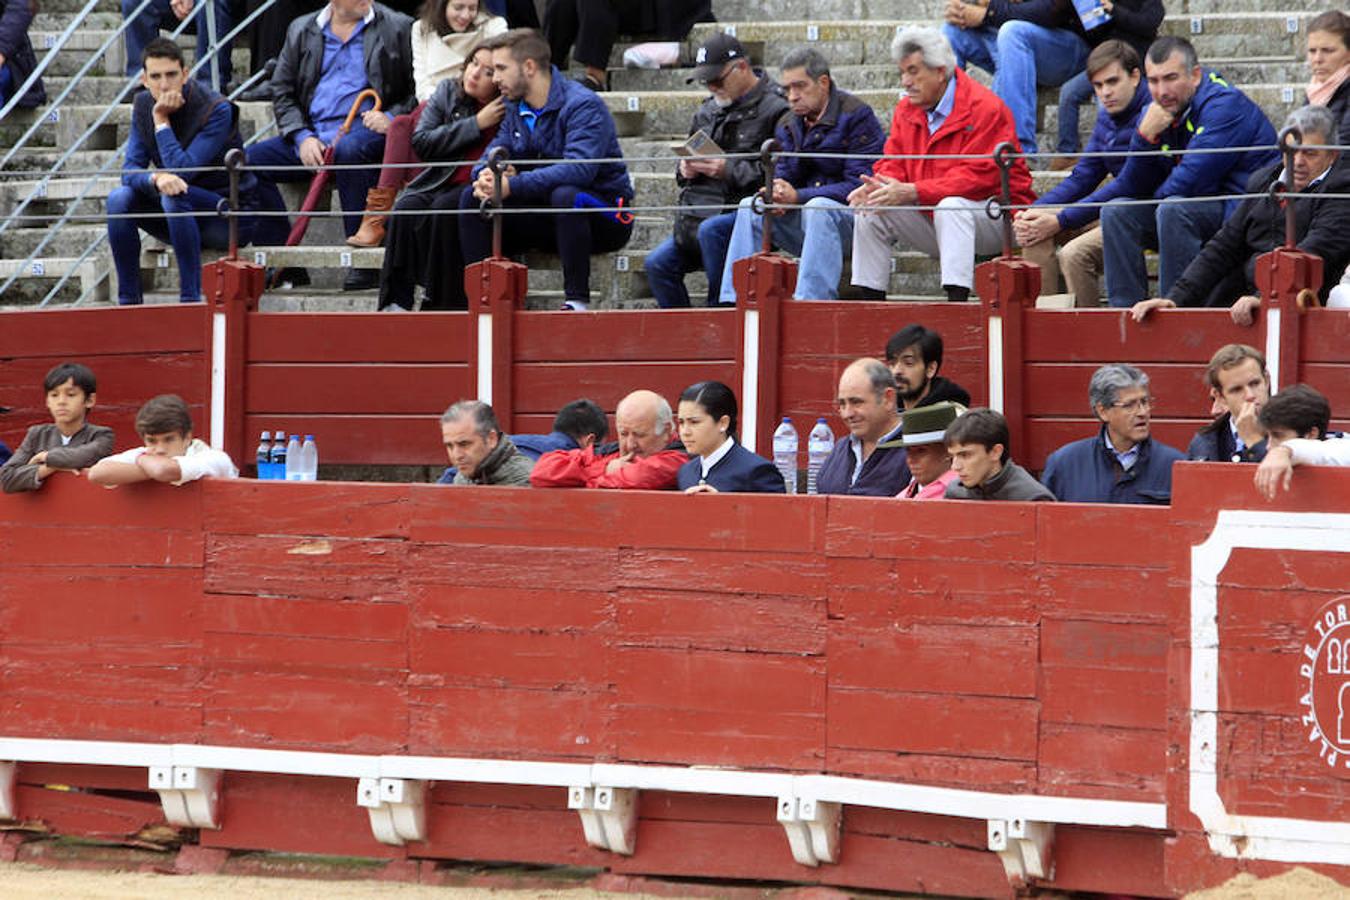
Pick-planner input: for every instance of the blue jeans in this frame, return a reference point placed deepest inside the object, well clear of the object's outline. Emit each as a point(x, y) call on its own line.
point(1021, 55)
point(1176, 229)
point(360, 145)
point(187, 234)
point(817, 234)
point(145, 27)
point(667, 265)
point(1072, 95)
point(7, 84)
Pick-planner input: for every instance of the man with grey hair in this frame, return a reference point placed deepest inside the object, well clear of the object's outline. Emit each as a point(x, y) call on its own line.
point(1224, 274)
point(1121, 463)
point(861, 462)
point(824, 120)
point(476, 446)
point(646, 457)
point(953, 124)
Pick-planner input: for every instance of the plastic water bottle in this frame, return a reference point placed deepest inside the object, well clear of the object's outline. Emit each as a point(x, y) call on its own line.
point(819, 446)
point(277, 467)
point(264, 454)
point(309, 459)
point(785, 453)
point(293, 458)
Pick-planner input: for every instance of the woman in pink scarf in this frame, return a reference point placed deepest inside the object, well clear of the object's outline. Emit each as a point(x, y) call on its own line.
point(1329, 63)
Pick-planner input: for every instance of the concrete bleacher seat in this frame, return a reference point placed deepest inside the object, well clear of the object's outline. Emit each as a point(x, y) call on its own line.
point(1255, 46)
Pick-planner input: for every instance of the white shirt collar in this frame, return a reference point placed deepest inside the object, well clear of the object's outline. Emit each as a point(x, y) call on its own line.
point(856, 443)
point(326, 15)
point(715, 457)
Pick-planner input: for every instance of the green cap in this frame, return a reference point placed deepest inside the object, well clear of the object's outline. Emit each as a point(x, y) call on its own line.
point(925, 424)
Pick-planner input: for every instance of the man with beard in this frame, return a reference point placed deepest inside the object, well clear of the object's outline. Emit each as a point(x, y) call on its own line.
point(914, 356)
point(1121, 463)
point(866, 461)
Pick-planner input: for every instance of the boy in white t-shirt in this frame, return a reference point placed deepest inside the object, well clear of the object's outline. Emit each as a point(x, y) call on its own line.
point(171, 454)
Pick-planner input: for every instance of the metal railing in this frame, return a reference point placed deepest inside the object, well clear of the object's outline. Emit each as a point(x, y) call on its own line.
point(39, 190)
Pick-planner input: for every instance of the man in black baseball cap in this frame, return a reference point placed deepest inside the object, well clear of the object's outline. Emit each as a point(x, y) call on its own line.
point(739, 116)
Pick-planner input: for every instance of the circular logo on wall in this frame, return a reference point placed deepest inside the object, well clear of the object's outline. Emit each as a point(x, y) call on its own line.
point(1324, 672)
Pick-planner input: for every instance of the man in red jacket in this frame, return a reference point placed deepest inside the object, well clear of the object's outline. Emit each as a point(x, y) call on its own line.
point(945, 113)
point(647, 456)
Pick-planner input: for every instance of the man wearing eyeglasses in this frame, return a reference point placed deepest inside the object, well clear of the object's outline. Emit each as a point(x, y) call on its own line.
point(741, 114)
point(1121, 463)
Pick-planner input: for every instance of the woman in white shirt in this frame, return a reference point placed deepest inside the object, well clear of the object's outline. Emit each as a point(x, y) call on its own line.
point(718, 463)
point(443, 38)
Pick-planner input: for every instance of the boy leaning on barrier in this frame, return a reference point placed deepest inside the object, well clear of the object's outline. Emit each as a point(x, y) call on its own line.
point(170, 455)
point(978, 444)
point(1297, 420)
point(70, 443)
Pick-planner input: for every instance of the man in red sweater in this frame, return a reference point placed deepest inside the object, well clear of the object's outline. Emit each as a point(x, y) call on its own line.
point(942, 113)
point(647, 456)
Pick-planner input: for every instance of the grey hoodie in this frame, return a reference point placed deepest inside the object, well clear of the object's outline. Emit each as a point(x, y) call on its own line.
point(1011, 483)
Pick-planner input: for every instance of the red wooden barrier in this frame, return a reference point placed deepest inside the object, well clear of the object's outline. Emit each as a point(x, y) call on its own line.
point(1020, 649)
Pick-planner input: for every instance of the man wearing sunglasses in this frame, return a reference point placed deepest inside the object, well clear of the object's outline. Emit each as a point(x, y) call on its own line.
point(1121, 463)
point(741, 114)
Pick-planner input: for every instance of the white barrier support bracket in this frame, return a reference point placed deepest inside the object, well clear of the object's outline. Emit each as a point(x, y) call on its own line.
point(8, 806)
point(190, 795)
point(1025, 848)
point(812, 828)
point(608, 816)
point(397, 808)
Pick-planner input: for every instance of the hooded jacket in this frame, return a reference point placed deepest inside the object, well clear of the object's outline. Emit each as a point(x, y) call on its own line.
point(1114, 133)
point(1087, 471)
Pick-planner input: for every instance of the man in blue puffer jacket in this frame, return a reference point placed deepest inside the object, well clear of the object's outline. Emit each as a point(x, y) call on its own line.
point(823, 119)
point(1193, 109)
point(1059, 237)
point(1121, 463)
point(549, 117)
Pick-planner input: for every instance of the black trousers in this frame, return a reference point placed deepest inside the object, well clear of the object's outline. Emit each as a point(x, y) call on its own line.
point(573, 236)
point(267, 33)
point(424, 250)
point(588, 28)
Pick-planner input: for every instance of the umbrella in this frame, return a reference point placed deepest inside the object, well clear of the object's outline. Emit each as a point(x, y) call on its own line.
point(321, 177)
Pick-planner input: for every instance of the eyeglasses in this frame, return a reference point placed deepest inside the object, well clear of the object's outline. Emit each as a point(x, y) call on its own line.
point(716, 83)
point(1136, 404)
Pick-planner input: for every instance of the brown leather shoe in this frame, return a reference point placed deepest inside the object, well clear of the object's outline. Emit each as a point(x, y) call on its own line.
point(371, 233)
point(1063, 163)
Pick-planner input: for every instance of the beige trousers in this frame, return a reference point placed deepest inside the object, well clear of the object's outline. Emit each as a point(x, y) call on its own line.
point(1078, 256)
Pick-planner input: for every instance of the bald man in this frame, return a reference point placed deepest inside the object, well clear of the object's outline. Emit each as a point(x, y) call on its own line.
point(646, 457)
point(867, 406)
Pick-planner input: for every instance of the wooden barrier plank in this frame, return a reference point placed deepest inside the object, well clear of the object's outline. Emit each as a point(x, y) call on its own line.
point(508, 723)
point(314, 567)
point(384, 389)
point(333, 509)
point(626, 336)
point(305, 711)
point(362, 440)
point(541, 608)
point(545, 387)
point(940, 769)
point(747, 523)
point(1096, 761)
point(678, 619)
point(515, 517)
point(468, 656)
point(1126, 594)
point(439, 337)
point(723, 571)
point(984, 727)
point(105, 332)
point(58, 695)
point(495, 824)
point(862, 527)
point(1323, 335)
point(86, 815)
point(981, 660)
point(1108, 335)
point(497, 566)
point(1061, 389)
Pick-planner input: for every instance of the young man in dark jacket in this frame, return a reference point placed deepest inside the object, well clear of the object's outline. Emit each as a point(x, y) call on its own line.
point(1026, 43)
point(179, 127)
point(741, 114)
point(328, 59)
point(1238, 380)
point(1058, 237)
point(824, 120)
point(550, 117)
point(978, 442)
point(1121, 463)
point(17, 59)
point(1194, 109)
point(1224, 274)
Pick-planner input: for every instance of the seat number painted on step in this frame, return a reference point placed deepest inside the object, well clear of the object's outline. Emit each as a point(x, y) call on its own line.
point(1287, 94)
point(1197, 25)
point(54, 116)
point(634, 104)
point(345, 259)
point(38, 268)
point(621, 264)
point(161, 260)
point(48, 41)
point(729, 29)
point(259, 258)
point(1291, 24)
point(813, 32)
point(40, 190)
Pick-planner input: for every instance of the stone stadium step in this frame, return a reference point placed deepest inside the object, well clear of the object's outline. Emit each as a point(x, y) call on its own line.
point(37, 278)
point(860, 10)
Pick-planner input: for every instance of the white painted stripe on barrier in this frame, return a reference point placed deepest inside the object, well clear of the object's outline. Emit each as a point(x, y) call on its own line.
point(677, 779)
point(218, 380)
point(1273, 323)
point(995, 334)
point(750, 382)
point(1234, 836)
point(485, 357)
